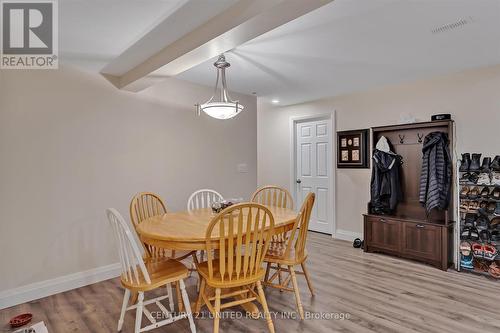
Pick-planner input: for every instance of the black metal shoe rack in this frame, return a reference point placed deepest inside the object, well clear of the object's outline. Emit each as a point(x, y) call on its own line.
point(479, 213)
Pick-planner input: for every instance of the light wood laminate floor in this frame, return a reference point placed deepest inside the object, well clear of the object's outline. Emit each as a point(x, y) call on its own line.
point(378, 293)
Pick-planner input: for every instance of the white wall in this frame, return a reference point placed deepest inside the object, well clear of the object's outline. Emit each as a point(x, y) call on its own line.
point(473, 97)
point(72, 145)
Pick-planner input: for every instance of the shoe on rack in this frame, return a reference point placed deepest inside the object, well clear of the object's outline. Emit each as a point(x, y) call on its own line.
point(495, 193)
point(473, 207)
point(464, 192)
point(483, 205)
point(495, 164)
point(485, 192)
point(485, 167)
point(491, 208)
point(475, 163)
point(465, 162)
point(484, 179)
point(490, 252)
point(466, 255)
point(465, 177)
point(495, 223)
point(469, 219)
point(495, 178)
point(473, 178)
point(464, 207)
point(482, 222)
point(474, 193)
point(485, 236)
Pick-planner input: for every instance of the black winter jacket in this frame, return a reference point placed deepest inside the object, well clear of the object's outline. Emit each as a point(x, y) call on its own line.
point(435, 180)
point(386, 190)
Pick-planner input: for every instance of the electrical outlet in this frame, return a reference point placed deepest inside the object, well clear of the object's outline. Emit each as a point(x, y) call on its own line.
point(242, 168)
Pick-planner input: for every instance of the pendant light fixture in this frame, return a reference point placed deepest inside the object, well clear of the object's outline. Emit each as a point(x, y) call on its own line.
point(222, 107)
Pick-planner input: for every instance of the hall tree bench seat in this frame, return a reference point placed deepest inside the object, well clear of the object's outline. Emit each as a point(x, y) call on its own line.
point(407, 238)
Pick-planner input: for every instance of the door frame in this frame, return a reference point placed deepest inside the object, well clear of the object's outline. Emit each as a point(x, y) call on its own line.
point(294, 120)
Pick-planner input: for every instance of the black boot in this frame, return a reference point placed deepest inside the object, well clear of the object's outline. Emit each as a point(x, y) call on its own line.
point(495, 165)
point(486, 165)
point(465, 165)
point(475, 163)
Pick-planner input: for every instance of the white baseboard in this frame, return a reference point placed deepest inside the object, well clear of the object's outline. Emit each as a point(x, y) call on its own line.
point(347, 235)
point(57, 285)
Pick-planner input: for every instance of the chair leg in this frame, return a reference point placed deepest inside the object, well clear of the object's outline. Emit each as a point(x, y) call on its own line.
point(217, 310)
point(170, 297)
point(185, 298)
point(195, 267)
point(138, 312)
point(268, 269)
point(179, 297)
point(126, 297)
point(133, 297)
point(308, 278)
point(296, 292)
point(263, 301)
point(199, 301)
point(279, 277)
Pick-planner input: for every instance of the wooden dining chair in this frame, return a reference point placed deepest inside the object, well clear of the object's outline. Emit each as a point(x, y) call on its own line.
point(143, 206)
point(241, 234)
point(142, 275)
point(203, 199)
point(291, 253)
point(272, 195)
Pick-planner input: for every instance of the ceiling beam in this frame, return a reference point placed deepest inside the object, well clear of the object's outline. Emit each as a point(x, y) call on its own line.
point(243, 21)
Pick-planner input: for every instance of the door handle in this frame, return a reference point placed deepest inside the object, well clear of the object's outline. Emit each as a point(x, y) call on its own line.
point(298, 181)
point(420, 226)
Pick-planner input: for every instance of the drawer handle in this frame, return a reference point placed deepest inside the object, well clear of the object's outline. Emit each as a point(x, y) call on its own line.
point(420, 226)
point(382, 220)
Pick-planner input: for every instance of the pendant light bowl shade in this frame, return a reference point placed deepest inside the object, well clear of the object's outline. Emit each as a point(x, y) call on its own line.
point(222, 110)
point(224, 107)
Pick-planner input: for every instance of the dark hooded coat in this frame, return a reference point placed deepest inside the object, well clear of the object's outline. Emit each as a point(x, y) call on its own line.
point(386, 190)
point(435, 180)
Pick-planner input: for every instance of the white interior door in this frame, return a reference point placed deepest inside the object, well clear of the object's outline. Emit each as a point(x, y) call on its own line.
point(313, 167)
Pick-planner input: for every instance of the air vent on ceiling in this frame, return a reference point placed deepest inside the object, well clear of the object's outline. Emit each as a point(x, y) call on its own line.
point(451, 26)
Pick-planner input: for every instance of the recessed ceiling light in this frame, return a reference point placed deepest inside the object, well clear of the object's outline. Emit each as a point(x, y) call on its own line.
point(275, 101)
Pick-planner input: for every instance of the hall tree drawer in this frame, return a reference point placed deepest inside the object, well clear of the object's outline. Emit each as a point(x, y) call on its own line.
point(421, 240)
point(383, 233)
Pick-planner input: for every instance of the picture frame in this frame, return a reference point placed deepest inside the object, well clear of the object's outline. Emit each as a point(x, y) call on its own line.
point(352, 149)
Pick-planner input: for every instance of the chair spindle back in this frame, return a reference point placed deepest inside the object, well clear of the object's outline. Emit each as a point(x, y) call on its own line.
point(243, 233)
point(130, 256)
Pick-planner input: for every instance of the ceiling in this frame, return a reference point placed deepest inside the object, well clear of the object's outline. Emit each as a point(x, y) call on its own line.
point(342, 47)
point(354, 45)
point(94, 32)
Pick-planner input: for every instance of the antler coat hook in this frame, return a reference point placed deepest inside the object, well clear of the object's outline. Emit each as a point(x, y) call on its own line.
point(420, 137)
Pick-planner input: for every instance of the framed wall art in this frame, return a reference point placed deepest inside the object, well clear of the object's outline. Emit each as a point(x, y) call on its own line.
point(352, 149)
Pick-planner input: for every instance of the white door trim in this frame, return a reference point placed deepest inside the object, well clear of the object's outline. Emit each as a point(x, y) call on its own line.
point(331, 116)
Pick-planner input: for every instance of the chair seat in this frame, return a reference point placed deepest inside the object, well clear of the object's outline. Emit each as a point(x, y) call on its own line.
point(217, 282)
point(276, 254)
point(161, 271)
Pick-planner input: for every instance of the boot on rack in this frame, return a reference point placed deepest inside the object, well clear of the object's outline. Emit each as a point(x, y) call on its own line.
point(486, 165)
point(464, 166)
point(475, 163)
point(495, 165)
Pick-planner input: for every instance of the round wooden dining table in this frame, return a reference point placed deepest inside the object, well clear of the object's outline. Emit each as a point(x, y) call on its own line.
point(185, 231)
